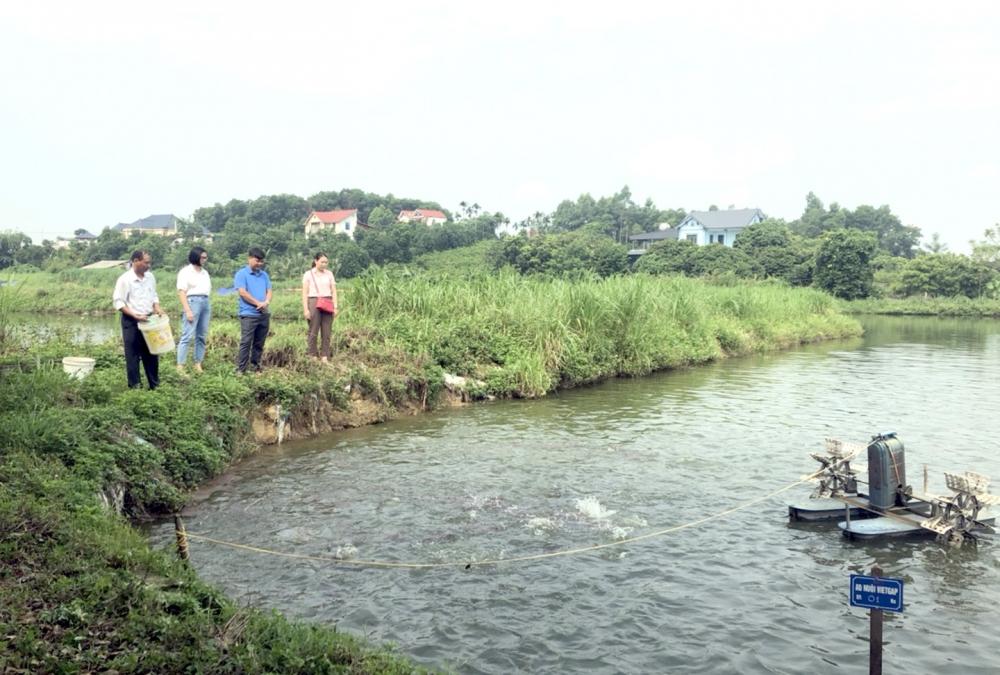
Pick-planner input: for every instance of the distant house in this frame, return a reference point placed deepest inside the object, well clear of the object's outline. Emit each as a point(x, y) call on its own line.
point(717, 227)
point(642, 242)
point(341, 221)
point(425, 216)
point(82, 237)
point(163, 224)
point(205, 235)
point(106, 265)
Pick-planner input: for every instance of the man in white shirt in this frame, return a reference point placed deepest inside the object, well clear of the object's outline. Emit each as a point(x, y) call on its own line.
point(135, 297)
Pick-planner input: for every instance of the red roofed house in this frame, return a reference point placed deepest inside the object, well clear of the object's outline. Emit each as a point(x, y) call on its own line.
point(341, 221)
point(425, 216)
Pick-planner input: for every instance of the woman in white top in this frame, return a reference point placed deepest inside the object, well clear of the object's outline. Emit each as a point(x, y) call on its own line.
point(319, 305)
point(194, 286)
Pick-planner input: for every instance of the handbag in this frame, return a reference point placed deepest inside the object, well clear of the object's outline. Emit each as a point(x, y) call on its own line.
point(324, 305)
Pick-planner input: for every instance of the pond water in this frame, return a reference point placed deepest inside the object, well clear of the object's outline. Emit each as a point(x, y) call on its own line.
point(28, 328)
point(748, 592)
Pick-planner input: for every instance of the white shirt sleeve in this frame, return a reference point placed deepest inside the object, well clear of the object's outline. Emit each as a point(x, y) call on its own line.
point(121, 293)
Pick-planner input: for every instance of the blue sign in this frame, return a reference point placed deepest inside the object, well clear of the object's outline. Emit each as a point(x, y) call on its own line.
point(877, 593)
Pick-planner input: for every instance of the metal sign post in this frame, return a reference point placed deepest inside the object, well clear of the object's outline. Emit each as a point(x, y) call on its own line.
point(877, 594)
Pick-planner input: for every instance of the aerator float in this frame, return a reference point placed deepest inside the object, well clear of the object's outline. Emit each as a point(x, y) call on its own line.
point(890, 507)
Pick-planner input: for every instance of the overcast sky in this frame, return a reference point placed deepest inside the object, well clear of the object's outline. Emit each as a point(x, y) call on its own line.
point(112, 111)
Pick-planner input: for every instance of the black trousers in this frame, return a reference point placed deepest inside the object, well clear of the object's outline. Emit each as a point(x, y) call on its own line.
point(253, 332)
point(136, 350)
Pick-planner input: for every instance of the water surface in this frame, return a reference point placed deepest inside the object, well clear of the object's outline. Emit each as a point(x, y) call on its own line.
point(746, 593)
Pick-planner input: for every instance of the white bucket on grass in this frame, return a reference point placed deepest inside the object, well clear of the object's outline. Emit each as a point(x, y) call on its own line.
point(78, 366)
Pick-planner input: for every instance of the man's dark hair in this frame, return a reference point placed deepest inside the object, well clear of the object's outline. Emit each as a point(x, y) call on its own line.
point(194, 257)
point(138, 255)
point(256, 253)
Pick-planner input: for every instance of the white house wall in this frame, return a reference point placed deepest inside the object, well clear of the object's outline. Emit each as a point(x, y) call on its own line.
point(353, 222)
point(693, 228)
point(315, 226)
point(703, 236)
point(712, 236)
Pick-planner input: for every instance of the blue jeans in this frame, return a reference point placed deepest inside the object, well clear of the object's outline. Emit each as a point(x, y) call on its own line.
point(196, 330)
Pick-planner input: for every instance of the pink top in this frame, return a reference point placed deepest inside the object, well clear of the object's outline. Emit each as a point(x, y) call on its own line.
point(318, 284)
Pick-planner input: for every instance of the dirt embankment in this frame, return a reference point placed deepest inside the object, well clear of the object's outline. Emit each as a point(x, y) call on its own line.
point(271, 424)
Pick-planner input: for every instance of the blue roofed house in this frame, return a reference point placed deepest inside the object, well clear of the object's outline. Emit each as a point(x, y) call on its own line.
point(717, 227)
point(164, 224)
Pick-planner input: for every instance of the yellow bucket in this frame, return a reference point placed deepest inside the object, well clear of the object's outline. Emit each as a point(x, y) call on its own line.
point(156, 331)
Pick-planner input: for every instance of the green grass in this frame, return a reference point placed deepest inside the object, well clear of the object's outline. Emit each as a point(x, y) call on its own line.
point(467, 261)
point(522, 336)
point(529, 336)
point(83, 592)
point(957, 306)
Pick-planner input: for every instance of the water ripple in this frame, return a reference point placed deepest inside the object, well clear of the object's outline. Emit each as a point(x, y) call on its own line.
point(749, 593)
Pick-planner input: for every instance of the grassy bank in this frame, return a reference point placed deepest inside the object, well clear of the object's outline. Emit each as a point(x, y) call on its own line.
point(83, 592)
point(957, 306)
point(86, 586)
point(526, 337)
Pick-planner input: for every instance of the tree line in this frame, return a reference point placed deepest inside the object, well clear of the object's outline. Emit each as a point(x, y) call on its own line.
point(849, 253)
point(275, 224)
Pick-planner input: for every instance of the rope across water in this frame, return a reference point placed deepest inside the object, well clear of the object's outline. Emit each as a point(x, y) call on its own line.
point(483, 563)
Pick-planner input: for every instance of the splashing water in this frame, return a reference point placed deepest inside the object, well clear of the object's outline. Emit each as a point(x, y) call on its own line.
point(540, 526)
point(592, 508)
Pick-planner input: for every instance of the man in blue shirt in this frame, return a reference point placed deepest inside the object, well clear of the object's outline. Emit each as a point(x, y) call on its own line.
point(254, 288)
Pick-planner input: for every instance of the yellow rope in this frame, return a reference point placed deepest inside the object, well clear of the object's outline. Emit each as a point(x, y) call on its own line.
point(481, 563)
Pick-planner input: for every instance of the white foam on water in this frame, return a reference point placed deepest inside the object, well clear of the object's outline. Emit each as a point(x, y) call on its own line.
point(540, 526)
point(484, 502)
point(592, 508)
point(621, 532)
point(346, 552)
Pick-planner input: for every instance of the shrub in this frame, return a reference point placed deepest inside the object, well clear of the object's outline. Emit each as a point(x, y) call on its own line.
point(844, 263)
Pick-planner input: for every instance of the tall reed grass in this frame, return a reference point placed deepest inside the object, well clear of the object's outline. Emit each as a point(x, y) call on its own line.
point(10, 301)
point(540, 334)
